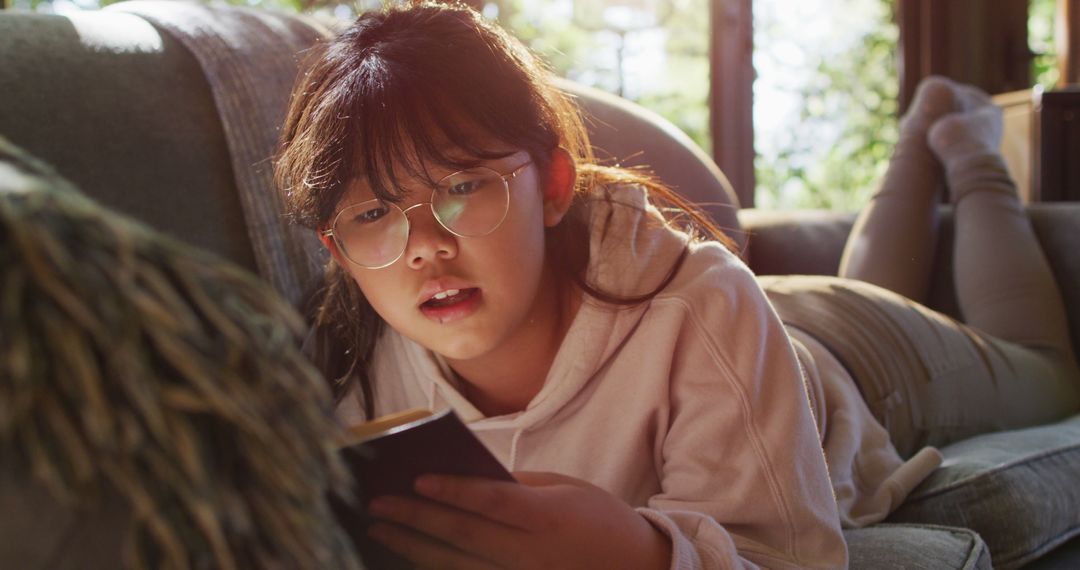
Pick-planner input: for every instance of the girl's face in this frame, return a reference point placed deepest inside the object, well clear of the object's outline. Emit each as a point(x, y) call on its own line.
point(468, 297)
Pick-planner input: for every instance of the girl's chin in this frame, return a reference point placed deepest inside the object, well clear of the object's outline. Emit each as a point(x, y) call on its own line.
point(460, 349)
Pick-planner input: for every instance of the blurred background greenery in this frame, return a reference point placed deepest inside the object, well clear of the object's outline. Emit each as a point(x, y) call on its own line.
point(825, 97)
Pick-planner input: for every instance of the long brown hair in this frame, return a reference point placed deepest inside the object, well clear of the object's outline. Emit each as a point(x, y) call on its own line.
point(379, 100)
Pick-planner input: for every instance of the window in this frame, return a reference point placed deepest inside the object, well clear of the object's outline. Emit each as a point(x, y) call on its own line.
point(797, 101)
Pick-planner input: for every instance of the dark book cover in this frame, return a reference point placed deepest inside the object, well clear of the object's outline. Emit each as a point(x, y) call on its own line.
point(388, 462)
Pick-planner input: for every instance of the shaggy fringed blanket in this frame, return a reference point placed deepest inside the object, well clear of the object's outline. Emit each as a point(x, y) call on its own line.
point(131, 362)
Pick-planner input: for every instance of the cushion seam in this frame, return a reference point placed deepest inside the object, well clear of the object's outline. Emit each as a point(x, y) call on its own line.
point(993, 471)
point(1043, 548)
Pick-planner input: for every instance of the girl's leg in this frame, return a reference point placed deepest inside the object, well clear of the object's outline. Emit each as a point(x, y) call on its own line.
point(892, 242)
point(1003, 282)
point(929, 379)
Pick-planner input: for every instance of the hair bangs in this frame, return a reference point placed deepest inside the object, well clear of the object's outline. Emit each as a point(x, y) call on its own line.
point(406, 126)
point(442, 110)
point(389, 104)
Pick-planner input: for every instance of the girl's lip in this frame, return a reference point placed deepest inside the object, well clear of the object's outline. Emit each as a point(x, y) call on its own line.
point(458, 310)
point(435, 286)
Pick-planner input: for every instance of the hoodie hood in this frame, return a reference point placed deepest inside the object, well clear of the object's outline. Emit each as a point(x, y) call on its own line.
point(631, 252)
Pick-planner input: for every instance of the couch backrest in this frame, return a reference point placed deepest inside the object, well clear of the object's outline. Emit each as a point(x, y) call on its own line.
point(169, 111)
point(630, 135)
point(124, 112)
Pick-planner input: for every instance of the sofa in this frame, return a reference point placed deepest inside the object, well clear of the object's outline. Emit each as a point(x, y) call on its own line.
point(168, 112)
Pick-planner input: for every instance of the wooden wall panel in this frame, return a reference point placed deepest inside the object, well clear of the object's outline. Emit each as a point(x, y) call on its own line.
point(731, 93)
point(1067, 40)
point(1059, 145)
point(974, 41)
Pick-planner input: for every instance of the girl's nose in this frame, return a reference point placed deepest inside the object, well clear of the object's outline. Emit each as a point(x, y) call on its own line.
point(428, 239)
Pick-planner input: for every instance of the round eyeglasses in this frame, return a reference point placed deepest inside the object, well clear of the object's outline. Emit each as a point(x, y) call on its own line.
point(468, 203)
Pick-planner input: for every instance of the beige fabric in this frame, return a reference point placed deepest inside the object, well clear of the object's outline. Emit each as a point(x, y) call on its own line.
point(868, 476)
point(892, 243)
point(1003, 281)
point(929, 379)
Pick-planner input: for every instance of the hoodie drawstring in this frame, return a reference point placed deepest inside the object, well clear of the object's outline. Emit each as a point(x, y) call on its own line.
point(514, 449)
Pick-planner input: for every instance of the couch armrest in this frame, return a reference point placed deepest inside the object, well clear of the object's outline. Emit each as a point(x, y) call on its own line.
point(795, 242)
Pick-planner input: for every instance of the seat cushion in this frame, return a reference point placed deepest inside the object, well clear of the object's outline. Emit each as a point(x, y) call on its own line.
point(885, 546)
point(1018, 489)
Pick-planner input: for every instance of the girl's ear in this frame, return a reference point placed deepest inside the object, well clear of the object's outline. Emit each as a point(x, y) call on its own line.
point(559, 189)
point(331, 245)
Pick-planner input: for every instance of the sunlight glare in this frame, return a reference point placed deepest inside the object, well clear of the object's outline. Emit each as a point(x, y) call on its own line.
point(115, 32)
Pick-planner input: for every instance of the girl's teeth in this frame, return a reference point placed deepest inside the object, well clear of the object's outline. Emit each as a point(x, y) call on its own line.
point(445, 294)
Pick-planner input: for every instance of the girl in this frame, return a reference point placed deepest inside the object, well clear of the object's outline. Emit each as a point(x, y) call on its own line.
point(636, 380)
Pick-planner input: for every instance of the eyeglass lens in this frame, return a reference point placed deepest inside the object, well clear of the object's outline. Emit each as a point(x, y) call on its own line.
point(470, 203)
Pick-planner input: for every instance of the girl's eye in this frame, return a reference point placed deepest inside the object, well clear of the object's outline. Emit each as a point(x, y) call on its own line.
point(370, 215)
point(464, 187)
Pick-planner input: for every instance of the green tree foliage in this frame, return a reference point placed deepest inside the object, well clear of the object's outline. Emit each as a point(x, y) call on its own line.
point(1041, 41)
point(846, 129)
point(852, 96)
point(682, 93)
point(573, 36)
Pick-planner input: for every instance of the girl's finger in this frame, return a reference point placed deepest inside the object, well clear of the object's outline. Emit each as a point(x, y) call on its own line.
point(511, 504)
point(467, 532)
point(424, 551)
point(547, 479)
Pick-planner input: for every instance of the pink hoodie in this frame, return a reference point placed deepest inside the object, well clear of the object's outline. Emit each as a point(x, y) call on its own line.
point(691, 407)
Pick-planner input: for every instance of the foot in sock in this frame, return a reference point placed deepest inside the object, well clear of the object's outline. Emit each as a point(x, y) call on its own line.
point(935, 97)
point(967, 144)
point(960, 135)
point(970, 97)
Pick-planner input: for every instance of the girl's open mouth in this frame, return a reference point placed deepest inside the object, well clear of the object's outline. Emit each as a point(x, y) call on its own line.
point(451, 305)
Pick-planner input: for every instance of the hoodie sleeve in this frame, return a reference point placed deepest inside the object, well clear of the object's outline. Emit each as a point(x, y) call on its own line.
point(743, 477)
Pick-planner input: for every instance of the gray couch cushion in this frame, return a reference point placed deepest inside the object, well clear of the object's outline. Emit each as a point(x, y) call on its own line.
point(1058, 228)
point(885, 546)
point(1018, 489)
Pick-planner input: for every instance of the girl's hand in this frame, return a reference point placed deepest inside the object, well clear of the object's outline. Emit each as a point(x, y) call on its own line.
point(546, 521)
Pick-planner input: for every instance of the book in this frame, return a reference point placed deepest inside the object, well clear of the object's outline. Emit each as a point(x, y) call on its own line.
point(387, 454)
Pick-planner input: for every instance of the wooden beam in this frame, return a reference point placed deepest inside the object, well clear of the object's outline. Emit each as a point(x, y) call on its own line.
point(1067, 39)
point(909, 50)
point(974, 41)
point(731, 93)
